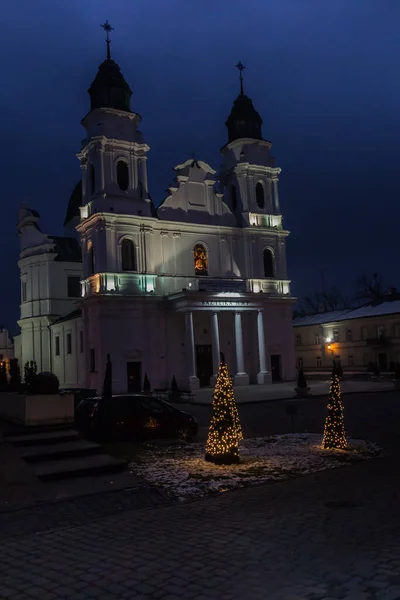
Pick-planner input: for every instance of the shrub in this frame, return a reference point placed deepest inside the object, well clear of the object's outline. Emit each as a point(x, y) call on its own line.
point(174, 385)
point(45, 383)
point(14, 384)
point(301, 379)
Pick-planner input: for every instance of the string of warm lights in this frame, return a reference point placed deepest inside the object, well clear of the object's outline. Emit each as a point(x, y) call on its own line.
point(225, 430)
point(334, 432)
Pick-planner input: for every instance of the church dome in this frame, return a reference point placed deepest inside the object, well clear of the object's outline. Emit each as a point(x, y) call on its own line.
point(74, 203)
point(109, 88)
point(244, 121)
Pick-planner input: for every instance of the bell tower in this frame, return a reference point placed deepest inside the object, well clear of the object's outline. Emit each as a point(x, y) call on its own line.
point(248, 174)
point(113, 155)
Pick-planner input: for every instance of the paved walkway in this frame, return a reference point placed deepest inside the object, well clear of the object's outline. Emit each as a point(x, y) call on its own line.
point(330, 535)
point(281, 391)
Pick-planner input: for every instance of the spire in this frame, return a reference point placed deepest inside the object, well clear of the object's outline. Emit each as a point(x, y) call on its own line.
point(107, 28)
point(241, 68)
point(109, 88)
point(244, 121)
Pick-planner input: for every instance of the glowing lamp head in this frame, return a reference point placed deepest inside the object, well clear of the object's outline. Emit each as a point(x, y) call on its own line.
point(328, 339)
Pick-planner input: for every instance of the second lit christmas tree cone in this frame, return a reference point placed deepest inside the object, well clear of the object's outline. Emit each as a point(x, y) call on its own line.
point(225, 431)
point(334, 432)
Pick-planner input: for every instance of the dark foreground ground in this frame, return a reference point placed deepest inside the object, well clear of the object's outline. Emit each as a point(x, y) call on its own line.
point(335, 534)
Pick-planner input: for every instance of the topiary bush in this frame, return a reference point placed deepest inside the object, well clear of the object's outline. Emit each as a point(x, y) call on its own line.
point(301, 379)
point(45, 383)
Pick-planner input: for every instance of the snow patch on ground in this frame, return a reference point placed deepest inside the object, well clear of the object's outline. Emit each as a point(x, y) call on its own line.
point(180, 469)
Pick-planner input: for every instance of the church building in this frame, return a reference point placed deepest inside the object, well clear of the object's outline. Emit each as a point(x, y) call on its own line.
point(162, 290)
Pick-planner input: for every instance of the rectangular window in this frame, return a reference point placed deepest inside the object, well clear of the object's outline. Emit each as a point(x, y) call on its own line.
point(298, 340)
point(351, 361)
point(364, 333)
point(92, 360)
point(300, 363)
point(380, 331)
point(69, 343)
point(74, 286)
point(23, 291)
point(81, 341)
point(349, 335)
point(317, 339)
point(336, 335)
point(319, 361)
point(57, 345)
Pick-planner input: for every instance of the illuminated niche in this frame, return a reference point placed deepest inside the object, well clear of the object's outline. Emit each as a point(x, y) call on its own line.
point(200, 260)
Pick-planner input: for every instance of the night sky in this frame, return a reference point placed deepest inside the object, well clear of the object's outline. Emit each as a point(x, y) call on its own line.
point(323, 74)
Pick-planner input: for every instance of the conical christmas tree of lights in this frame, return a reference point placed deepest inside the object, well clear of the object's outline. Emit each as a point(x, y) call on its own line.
point(334, 433)
point(225, 431)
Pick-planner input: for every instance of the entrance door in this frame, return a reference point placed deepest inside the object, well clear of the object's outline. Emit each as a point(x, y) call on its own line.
point(134, 376)
point(204, 364)
point(276, 369)
point(382, 361)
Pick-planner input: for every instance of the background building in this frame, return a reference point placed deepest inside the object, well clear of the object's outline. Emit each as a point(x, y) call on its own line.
point(163, 291)
point(6, 347)
point(357, 337)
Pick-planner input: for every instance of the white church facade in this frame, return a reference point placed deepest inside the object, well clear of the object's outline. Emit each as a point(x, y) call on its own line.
point(162, 290)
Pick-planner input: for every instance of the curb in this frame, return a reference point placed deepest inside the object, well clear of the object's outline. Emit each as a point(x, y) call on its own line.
point(286, 399)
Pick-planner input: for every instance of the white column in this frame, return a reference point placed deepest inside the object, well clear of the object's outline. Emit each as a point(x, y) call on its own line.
point(144, 176)
point(193, 380)
point(215, 346)
point(263, 376)
point(276, 197)
point(241, 378)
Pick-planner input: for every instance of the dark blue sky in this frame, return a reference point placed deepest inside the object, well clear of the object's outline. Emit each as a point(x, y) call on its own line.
point(323, 75)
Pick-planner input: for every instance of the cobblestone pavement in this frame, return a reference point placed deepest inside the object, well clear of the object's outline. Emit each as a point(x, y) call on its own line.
point(334, 534)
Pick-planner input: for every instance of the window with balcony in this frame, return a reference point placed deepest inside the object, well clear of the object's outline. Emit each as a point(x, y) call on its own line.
point(122, 175)
point(380, 331)
point(90, 251)
point(200, 260)
point(260, 195)
point(74, 286)
point(349, 335)
point(269, 270)
point(233, 198)
point(335, 335)
point(128, 258)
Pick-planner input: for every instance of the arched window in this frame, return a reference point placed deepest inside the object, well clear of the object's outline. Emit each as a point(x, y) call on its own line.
point(90, 258)
point(92, 175)
point(200, 260)
point(128, 255)
point(122, 175)
point(234, 198)
point(260, 195)
point(269, 270)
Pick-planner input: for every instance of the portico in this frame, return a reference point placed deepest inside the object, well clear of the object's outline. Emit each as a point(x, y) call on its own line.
point(191, 303)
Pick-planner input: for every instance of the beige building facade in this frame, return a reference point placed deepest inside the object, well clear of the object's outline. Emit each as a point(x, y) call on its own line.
point(359, 338)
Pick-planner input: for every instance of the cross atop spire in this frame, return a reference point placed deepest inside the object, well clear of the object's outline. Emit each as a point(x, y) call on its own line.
point(107, 28)
point(240, 66)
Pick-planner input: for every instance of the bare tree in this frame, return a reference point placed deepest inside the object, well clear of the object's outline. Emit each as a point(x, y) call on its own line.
point(326, 301)
point(370, 287)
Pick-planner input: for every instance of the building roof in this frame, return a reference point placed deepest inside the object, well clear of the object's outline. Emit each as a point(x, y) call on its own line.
point(320, 318)
point(67, 249)
point(244, 121)
point(369, 310)
point(109, 88)
point(75, 314)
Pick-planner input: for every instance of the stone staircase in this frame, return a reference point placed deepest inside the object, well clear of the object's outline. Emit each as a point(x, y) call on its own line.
point(59, 454)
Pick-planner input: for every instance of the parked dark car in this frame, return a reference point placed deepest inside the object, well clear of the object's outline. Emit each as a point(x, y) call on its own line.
point(79, 394)
point(133, 416)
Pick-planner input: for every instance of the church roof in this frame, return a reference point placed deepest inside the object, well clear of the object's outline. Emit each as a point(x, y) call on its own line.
point(74, 203)
point(244, 121)
point(67, 249)
point(109, 88)
point(75, 314)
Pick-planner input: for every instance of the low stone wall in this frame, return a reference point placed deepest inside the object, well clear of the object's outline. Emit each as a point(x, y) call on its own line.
point(51, 409)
